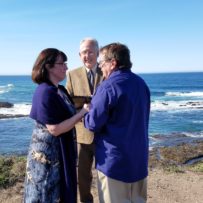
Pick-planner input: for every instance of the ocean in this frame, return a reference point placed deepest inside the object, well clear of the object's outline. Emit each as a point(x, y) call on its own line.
point(176, 110)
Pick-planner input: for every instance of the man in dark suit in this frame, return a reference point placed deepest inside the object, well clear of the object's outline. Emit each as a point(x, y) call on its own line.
point(82, 82)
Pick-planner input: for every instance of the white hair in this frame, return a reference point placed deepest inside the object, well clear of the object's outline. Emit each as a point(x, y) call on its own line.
point(93, 40)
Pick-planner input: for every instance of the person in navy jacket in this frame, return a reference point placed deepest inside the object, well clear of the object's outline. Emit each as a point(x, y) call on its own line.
point(119, 117)
point(51, 161)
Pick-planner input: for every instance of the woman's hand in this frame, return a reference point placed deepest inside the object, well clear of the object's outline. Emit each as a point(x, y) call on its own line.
point(86, 107)
point(68, 124)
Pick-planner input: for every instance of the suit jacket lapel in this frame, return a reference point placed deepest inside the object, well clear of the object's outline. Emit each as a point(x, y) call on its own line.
point(98, 77)
point(85, 81)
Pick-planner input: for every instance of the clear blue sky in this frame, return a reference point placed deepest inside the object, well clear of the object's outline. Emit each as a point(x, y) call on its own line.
point(162, 35)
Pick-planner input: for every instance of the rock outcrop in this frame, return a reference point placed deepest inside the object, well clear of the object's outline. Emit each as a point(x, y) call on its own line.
point(6, 105)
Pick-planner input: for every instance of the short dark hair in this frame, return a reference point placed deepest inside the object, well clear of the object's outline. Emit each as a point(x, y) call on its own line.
point(47, 56)
point(118, 52)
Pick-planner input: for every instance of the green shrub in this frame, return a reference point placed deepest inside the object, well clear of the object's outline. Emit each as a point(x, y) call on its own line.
point(12, 169)
point(198, 167)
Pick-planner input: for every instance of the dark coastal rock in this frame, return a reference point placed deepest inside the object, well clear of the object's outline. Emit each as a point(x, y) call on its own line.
point(178, 155)
point(169, 136)
point(11, 116)
point(193, 103)
point(6, 105)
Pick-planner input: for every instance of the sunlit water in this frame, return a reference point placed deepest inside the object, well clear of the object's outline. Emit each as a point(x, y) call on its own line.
point(176, 110)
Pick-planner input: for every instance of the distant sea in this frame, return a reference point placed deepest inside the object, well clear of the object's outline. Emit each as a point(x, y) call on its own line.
point(176, 110)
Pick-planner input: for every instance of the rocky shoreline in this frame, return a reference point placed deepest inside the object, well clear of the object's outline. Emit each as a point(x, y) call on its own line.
point(6, 105)
point(168, 167)
point(9, 105)
point(180, 155)
point(3, 116)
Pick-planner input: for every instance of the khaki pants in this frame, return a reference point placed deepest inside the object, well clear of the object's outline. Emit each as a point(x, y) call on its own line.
point(114, 191)
point(85, 161)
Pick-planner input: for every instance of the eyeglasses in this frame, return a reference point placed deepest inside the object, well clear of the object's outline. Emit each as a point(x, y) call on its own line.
point(62, 63)
point(102, 62)
point(91, 53)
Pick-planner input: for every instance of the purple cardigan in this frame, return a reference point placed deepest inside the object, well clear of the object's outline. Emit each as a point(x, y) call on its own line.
point(49, 108)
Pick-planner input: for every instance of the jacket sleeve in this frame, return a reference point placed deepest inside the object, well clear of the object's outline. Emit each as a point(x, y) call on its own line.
point(69, 86)
point(98, 115)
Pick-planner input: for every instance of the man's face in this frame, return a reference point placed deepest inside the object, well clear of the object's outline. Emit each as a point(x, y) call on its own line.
point(88, 54)
point(107, 67)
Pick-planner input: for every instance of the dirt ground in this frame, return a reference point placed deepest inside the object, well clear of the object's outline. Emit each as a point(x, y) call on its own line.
point(163, 187)
point(166, 187)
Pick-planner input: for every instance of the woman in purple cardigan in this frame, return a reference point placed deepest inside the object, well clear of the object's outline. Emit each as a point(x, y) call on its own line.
point(51, 161)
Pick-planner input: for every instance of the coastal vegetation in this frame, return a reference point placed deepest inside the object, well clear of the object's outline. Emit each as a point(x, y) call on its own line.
point(174, 159)
point(12, 170)
point(180, 158)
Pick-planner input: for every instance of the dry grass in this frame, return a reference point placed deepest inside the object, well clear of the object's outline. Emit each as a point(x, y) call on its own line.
point(170, 179)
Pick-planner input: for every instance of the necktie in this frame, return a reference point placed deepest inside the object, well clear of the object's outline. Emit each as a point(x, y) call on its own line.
point(91, 80)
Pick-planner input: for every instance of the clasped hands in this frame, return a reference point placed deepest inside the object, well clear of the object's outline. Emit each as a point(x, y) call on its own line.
point(85, 109)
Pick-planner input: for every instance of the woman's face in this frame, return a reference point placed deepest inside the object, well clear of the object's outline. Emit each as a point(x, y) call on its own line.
point(58, 72)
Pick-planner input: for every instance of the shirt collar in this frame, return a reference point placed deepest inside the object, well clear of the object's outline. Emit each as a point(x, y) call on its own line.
point(93, 69)
point(118, 71)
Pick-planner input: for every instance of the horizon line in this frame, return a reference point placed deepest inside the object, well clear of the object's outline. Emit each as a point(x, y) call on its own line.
point(131, 69)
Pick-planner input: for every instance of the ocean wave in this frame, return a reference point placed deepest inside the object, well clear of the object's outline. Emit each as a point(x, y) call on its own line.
point(185, 94)
point(10, 85)
point(176, 105)
point(174, 138)
point(6, 88)
point(175, 135)
point(193, 134)
point(17, 109)
point(200, 122)
point(24, 108)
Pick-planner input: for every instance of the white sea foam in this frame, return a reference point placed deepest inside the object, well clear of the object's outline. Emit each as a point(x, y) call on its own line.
point(6, 88)
point(176, 105)
point(23, 109)
point(194, 134)
point(10, 85)
point(200, 122)
point(185, 94)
